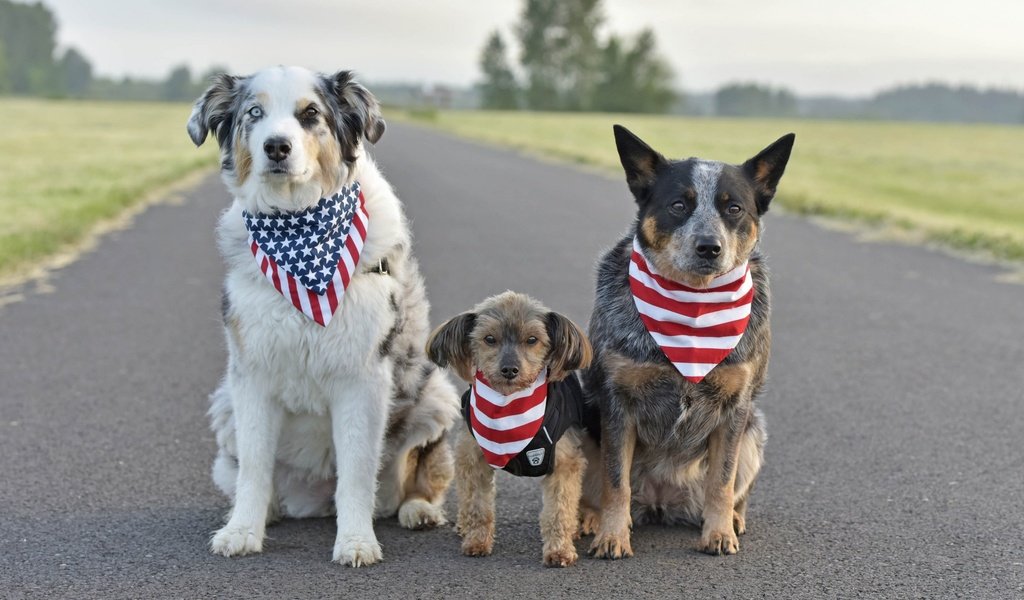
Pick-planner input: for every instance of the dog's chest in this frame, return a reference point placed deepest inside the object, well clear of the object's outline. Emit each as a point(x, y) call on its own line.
point(300, 360)
point(669, 411)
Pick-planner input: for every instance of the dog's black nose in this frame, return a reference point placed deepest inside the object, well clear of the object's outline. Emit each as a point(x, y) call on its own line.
point(509, 372)
point(277, 148)
point(708, 247)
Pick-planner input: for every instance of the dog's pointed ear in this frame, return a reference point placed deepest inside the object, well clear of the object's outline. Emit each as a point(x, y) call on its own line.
point(449, 345)
point(212, 111)
point(639, 160)
point(569, 347)
point(766, 169)
point(360, 111)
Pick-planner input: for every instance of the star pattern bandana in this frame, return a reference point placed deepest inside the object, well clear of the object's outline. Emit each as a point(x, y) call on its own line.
point(504, 425)
point(695, 328)
point(311, 255)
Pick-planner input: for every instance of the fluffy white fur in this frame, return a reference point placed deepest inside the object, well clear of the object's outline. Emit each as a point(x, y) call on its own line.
point(301, 414)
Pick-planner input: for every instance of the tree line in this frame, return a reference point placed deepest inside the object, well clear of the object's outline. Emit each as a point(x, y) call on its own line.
point(30, 64)
point(934, 102)
point(564, 64)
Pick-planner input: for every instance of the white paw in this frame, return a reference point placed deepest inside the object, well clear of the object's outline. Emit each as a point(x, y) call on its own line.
point(236, 541)
point(357, 550)
point(420, 514)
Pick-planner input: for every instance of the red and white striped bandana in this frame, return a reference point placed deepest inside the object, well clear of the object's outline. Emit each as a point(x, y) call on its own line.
point(504, 425)
point(695, 328)
point(310, 256)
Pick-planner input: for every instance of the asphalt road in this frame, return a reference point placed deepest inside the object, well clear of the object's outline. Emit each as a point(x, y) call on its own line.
point(895, 464)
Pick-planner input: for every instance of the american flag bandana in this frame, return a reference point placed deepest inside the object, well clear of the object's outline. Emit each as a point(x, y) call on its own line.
point(310, 256)
point(504, 425)
point(695, 328)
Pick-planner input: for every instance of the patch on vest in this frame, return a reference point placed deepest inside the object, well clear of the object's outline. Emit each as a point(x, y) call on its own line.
point(535, 456)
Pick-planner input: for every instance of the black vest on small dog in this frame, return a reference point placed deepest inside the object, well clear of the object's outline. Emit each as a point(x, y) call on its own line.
point(564, 409)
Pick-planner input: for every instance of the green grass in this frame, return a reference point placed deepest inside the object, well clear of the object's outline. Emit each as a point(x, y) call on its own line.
point(69, 166)
point(960, 185)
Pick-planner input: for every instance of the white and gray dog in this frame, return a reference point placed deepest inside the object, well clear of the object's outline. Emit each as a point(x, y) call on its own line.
point(313, 411)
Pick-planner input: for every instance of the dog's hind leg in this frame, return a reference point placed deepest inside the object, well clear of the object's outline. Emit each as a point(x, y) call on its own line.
point(590, 499)
point(618, 440)
point(429, 467)
point(474, 484)
point(749, 462)
point(257, 428)
point(430, 472)
point(559, 519)
point(358, 417)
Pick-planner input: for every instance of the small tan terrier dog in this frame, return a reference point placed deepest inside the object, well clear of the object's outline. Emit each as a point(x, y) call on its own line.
point(519, 359)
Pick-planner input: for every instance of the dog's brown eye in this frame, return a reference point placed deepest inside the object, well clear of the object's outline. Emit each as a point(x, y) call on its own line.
point(490, 339)
point(310, 113)
point(531, 340)
point(678, 207)
point(734, 209)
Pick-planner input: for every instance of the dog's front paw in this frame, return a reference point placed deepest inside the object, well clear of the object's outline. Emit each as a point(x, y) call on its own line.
point(719, 542)
point(612, 545)
point(420, 514)
point(232, 540)
point(357, 550)
point(565, 557)
point(477, 543)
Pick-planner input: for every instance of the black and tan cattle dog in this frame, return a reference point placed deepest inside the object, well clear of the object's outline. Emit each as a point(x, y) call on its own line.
point(681, 340)
point(519, 358)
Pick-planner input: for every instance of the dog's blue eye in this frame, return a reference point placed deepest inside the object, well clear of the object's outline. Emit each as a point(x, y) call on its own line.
point(255, 112)
point(490, 339)
point(531, 340)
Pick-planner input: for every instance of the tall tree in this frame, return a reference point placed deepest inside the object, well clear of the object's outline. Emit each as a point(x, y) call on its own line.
point(499, 89)
point(536, 57)
point(581, 51)
point(633, 79)
point(75, 73)
point(5, 80)
point(559, 52)
point(28, 33)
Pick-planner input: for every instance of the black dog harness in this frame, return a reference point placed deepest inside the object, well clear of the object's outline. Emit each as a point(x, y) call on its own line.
point(564, 409)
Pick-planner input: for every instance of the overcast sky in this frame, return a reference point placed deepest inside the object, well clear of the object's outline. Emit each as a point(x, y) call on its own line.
point(812, 46)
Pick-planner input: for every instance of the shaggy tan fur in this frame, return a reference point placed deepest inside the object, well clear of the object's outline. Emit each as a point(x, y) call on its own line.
point(472, 341)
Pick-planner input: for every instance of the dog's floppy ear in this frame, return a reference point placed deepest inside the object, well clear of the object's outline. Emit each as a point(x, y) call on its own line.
point(359, 109)
point(766, 169)
point(449, 345)
point(639, 160)
point(569, 347)
point(212, 111)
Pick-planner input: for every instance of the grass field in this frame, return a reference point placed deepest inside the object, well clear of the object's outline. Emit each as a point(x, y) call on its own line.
point(960, 185)
point(69, 166)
